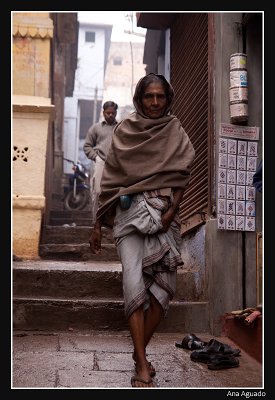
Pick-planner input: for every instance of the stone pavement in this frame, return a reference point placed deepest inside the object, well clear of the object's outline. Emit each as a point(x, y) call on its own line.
point(103, 359)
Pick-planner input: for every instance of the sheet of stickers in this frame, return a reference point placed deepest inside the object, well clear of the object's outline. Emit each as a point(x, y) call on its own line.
point(237, 163)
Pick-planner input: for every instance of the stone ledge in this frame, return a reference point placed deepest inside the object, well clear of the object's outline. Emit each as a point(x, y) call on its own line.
point(33, 104)
point(29, 202)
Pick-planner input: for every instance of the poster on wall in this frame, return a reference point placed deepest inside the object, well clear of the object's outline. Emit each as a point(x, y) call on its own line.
point(237, 163)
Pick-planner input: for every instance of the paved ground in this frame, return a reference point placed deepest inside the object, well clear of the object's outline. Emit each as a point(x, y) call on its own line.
point(74, 359)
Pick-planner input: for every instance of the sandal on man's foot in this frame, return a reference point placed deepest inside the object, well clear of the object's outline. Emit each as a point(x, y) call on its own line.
point(151, 369)
point(136, 379)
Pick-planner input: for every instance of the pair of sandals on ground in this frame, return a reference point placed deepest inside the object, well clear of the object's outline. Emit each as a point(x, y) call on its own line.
point(215, 354)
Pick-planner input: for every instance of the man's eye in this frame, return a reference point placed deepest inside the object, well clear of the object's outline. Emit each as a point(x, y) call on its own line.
point(149, 96)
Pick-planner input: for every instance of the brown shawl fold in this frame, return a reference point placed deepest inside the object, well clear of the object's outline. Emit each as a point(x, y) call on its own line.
point(145, 154)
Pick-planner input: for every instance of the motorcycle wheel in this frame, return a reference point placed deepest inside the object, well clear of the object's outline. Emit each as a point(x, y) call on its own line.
point(77, 202)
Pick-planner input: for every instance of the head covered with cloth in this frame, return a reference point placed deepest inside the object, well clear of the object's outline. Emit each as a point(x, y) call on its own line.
point(146, 153)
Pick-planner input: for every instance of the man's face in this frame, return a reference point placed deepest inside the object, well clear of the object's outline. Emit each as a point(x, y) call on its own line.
point(154, 101)
point(109, 115)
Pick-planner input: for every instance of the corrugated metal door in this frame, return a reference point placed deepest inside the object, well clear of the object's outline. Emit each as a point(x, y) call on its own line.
point(189, 77)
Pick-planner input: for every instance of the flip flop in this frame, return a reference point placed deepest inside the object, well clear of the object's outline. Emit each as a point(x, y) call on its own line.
point(138, 379)
point(151, 367)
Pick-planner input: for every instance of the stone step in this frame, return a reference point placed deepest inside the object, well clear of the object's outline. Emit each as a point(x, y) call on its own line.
point(68, 279)
point(72, 234)
point(42, 313)
point(91, 279)
point(79, 218)
point(77, 252)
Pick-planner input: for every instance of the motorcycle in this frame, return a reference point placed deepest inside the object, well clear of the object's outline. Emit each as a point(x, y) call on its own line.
point(77, 194)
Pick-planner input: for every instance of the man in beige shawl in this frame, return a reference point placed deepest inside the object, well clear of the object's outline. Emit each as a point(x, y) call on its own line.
point(145, 174)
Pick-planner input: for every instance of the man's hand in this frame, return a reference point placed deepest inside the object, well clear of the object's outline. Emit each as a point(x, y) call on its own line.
point(95, 240)
point(166, 219)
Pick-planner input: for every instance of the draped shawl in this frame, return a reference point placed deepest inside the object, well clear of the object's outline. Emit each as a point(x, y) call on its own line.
point(145, 154)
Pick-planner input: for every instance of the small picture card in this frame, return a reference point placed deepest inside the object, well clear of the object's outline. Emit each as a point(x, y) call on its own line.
point(251, 164)
point(230, 222)
point(252, 149)
point(240, 223)
point(242, 147)
point(222, 160)
point(240, 207)
point(250, 193)
point(231, 176)
point(240, 192)
point(231, 161)
point(230, 207)
point(221, 221)
point(221, 191)
point(241, 162)
point(223, 145)
point(249, 178)
point(241, 177)
point(222, 175)
point(231, 191)
point(232, 146)
point(221, 206)
point(249, 223)
point(250, 208)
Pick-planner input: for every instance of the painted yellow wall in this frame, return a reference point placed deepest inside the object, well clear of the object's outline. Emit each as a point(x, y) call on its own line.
point(32, 112)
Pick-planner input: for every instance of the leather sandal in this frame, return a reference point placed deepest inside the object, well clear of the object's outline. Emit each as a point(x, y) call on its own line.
point(214, 346)
point(151, 369)
point(199, 356)
point(222, 362)
point(191, 342)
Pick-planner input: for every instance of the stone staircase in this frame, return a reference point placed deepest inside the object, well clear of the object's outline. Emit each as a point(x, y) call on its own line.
point(70, 288)
point(65, 217)
point(50, 294)
point(69, 242)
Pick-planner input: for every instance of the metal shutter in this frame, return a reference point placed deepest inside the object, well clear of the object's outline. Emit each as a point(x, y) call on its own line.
point(189, 77)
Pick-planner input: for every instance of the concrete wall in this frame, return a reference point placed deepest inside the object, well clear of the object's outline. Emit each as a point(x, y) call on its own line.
point(223, 263)
point(194, 268)
point(32, 112)
point(231, 256)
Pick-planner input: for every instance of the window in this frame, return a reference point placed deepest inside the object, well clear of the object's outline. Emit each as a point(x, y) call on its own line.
point(117, 60)
point(90, 37)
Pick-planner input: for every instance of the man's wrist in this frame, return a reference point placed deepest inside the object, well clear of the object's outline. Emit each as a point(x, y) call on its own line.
point(98, 224)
